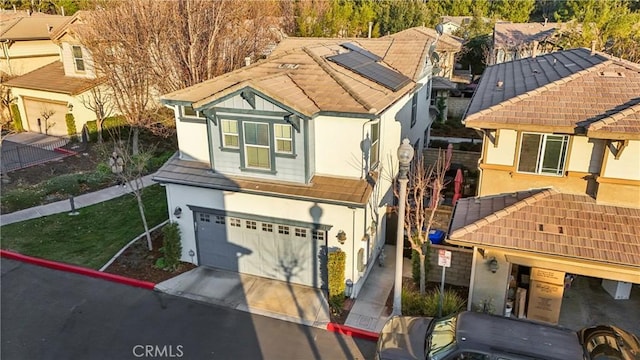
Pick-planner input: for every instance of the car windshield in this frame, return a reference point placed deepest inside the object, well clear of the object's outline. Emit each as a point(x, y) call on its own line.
point(442, 338)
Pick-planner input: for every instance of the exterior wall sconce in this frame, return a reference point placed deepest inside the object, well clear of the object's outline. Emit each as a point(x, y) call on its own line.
point(70, 107)
point(342, 237)
point(348, 288)
point(192, 254)
point(177, 212)
point(493, 265)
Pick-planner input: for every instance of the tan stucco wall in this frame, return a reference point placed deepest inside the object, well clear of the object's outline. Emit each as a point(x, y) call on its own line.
point(582, 156)
point(627, 166)
point(69, 66)
point(489, 286)
point(619, 194)
point(499, 181)
point(25, 56)
point(503, 154)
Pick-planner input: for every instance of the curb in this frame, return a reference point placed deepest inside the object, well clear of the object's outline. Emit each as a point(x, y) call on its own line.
point(77, 270)
point(353, 332)
point(64, 151)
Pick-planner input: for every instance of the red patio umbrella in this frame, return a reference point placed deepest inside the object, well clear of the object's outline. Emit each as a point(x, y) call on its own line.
point(457, 187)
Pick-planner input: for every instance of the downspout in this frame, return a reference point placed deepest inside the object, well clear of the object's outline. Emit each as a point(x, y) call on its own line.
point(353, 248)
point(362, 174)
point(474, 261)
point(5, 50)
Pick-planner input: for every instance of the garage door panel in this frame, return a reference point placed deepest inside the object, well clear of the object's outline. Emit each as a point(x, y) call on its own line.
point(40, 109)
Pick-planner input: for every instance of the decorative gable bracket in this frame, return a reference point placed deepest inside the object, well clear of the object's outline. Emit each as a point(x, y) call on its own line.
point(493, 135)
point(617, 148)
point(249, 97)
point(293, 120)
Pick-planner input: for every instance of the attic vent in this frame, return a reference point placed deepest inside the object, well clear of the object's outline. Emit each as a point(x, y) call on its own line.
point(552, 229)
point(611, 74)
point(288, 66)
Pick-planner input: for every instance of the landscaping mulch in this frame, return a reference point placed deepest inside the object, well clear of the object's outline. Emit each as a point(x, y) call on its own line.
point(137, 262)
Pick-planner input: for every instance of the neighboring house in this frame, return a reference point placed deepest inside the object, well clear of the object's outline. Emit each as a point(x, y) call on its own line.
point(522, 40)
point(45, 95)
point(26, 41)
point(560, 177)
point(291, 157)
point(451, 24)
point(441, 88)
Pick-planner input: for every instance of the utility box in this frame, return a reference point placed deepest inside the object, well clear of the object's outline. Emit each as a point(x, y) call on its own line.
point(619, 290)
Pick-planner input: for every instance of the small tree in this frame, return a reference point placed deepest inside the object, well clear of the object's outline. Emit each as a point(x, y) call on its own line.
point(421, 203)
point(71, 126)
point(171, 247)
point(99, 101)
point(46, 115)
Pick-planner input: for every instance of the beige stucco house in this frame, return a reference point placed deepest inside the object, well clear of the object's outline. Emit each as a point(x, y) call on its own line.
point(286, 159)
point(45, 95)
point(559, 189)
point(513, 41)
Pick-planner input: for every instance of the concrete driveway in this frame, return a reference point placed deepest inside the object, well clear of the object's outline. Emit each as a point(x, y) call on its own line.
point(277, 299)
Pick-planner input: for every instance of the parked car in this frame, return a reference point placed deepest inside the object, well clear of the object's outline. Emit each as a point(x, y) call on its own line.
point(473, 335)
point(610, 342)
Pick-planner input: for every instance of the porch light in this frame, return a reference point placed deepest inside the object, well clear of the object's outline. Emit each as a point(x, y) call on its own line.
point(493, 265)
point(348, 288)
point(177, 212)
point(342, 237)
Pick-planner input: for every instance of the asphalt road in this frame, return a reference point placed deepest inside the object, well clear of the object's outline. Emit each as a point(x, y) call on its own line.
point(48, 314)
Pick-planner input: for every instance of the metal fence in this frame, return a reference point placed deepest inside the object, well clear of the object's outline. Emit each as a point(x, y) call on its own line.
point(17, 156)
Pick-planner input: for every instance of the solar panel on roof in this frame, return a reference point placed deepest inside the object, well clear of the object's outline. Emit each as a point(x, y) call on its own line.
point(362, 65)
point(362, 51)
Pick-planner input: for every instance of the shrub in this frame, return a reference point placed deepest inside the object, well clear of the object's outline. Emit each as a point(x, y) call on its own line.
point(17, 120)
point(335, 266)
point(71, 126)
point(92, 129)
point(19, 199)
point(66, 184)
point(413, 304)
point(158, 160)
point(336, 304)
point(442, 144)
point(171, 246)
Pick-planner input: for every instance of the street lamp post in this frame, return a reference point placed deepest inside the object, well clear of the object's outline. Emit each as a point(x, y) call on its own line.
point(405, 155)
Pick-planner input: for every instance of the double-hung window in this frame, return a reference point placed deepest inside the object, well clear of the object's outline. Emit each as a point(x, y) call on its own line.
point(543, 153)
point(257, 147)
point(229, 134)
point(375, 145)
point(284, 138)
point(78, 60)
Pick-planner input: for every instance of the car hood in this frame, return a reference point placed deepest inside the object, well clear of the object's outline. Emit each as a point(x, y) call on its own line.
point(403, 337)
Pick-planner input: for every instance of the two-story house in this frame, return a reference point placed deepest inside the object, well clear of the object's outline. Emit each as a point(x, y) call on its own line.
point(46, 94)
point(513, 41)
point(26, 42)
point(559, 188)
point(291, 157)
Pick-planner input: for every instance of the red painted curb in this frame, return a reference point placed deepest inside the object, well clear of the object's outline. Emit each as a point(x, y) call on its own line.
point(65, 151)
point(350, 331)
point(77, 270)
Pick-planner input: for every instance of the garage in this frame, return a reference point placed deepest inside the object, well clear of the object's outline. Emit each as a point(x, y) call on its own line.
point(282, 250)
point(51, 115)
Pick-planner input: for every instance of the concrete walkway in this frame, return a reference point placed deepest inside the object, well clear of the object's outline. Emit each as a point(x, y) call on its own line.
point(65, 206)
point(369, 310)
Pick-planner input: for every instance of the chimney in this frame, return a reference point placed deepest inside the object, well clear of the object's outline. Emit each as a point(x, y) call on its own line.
point(534, 51)
point(593, 47)
point(545, 21)
point(62, 10)
point(247, 61)
point(370, 28)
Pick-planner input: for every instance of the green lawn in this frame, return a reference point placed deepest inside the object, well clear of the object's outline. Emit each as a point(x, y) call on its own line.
point(91, 238)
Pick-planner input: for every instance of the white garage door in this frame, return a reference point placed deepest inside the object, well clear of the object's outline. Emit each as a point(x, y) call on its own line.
point(269, 249)
point(51, 115)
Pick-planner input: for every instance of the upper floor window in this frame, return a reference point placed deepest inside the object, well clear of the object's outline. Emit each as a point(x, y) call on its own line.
point(230, 134)
point(284, 138)
point(257, 147)
point(190, 112)
point(414, 110)
point(543, 153)
point(78, 60)
point(374, 156)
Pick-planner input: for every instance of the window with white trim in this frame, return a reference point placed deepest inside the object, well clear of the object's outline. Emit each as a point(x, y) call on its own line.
point(543, 153)
point(283, 138)
point(229, 133)
point(317, 234)
point(257, 148)
point(251, 224)
point(78, 60)
point(374, 156)
point(219, 219)
point(284, 230)
point(235, 222)
point(301, 232)
point(267, 227)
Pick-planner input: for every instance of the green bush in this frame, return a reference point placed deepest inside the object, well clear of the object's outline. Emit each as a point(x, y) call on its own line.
point(66, 184)
point(71, 126)
point(19, 199)
point(336, 304)
point(171, 246)
point(413, 304)
point(92, 129)
point(17, 120)
point(442, 144)
point(158, 160)
point(335, 267)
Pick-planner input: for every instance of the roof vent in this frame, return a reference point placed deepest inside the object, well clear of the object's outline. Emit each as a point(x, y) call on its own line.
point(288, 66)
point(611, 74)
point(499, 84)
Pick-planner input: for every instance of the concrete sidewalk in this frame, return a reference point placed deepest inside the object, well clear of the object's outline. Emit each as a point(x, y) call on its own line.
point(65, 206)
point(369, 309)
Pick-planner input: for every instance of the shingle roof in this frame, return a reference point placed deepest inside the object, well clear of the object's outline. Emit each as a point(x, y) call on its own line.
point(298, 75)
point(441, 83)
point(51, 78)
point(507, 35)
point(33, 27)
point(559, 91)
point(321, 188)
point(552, 223)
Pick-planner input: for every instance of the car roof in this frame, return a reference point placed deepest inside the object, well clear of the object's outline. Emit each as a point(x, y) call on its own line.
point(509, 335)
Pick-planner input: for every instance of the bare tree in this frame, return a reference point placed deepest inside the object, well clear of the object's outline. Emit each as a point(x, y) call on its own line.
point(426, 183)
point(99, 100)
point(46, 114)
